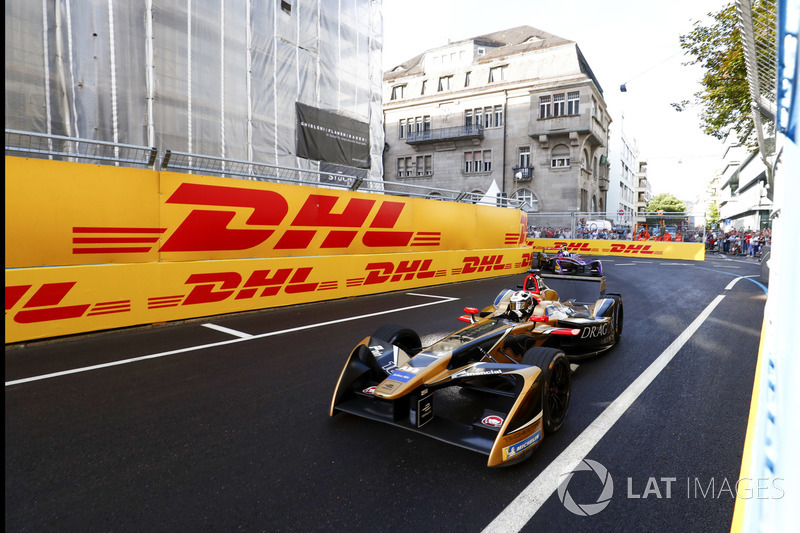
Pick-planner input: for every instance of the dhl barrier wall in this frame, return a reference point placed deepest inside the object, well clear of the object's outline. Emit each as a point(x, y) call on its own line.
point(95, 247)
point(640, 249)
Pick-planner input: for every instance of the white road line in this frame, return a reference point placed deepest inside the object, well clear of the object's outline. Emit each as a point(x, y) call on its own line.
point(734, 281)
point(625, 264)
point(229, 331)
point(521, 510)
point(440, 300)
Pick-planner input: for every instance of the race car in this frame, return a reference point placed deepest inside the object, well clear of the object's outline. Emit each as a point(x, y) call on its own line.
point(566, 262)
point(497, 386)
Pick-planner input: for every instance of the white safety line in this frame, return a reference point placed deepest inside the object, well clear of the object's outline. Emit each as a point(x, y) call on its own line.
point(440, 300)
point(521, 510)
point(625, 264)
point(229, 331)
point(734, 281)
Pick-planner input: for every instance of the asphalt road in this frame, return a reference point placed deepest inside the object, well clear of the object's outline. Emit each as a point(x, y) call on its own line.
point(203, 429)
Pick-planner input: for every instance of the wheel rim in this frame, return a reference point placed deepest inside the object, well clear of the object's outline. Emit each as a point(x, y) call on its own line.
point(558, 392)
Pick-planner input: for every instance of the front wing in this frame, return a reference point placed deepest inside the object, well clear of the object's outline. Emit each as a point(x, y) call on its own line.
point(495, 410)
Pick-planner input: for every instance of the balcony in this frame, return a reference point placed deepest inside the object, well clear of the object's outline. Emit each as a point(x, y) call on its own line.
point(603, 184)
point(584, 123)
point(522, 173)
point(472, 131)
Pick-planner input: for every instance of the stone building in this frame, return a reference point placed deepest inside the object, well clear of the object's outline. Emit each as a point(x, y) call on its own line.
point(519, 111)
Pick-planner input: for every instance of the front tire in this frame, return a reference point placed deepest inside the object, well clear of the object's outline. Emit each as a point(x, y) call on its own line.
point(404, 338)
point(556, 384)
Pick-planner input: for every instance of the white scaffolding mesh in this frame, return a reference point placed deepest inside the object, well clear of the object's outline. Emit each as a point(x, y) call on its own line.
point(211, 77)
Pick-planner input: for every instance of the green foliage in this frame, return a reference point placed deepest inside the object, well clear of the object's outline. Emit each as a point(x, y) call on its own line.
point(665, 202)
point(725, 98)
point(712, 218)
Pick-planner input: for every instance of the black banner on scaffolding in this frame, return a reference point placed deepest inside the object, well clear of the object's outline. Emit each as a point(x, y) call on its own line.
point(326, 136)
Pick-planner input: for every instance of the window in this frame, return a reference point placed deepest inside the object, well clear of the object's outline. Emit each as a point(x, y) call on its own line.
point(402, 128)
point(479, 117)
point(573, 99)
point(466, 79)
point(424, 165)
point(559, 157)
point(403, 166)
point(544, 107)
point(478, 161)
point(286, 7)
point(525, 195)
point(424, 86)
point(487, 118)
point(558, 105)
point(498, 116)
point(468, 117)
point(426, 123)
point(497, 74)
point(398, 91)
point(524, 156)
point(444, 83)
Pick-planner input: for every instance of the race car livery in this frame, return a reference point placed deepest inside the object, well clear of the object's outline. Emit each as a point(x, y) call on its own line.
point(566, 262)
point(496, 386)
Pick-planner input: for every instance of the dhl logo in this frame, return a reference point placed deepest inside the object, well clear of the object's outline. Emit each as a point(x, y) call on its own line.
point(586, 247)
point(45, 303)
point(336, 221)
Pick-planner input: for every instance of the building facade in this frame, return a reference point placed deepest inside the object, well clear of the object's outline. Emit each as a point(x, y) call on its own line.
point(623, 156)
point(742, 191)
point(517, 111)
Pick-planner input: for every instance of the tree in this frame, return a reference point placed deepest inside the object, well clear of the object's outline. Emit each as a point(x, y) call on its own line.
point(665, 202)
point(725, 98)
point(712, 218)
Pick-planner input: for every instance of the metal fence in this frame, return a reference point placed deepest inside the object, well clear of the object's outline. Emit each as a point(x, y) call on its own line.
point(36, 145)
point(57, 147)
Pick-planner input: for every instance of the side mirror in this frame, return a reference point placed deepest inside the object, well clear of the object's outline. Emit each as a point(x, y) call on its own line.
point(471, 311)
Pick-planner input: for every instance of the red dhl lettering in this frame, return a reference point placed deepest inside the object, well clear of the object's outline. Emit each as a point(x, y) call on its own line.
point(631, 249)
point(207, 229)
point(44, 305)
point(482, 264)
point(405, 271)
point(219, 286)
point(574, 246)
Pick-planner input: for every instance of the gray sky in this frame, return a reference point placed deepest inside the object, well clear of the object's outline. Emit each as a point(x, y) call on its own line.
point(624, 41)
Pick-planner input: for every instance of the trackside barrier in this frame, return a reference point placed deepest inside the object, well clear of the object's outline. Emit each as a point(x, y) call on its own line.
point(647, 249)
point(92, 247)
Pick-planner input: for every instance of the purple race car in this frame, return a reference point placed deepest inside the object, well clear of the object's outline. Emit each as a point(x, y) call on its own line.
point(566, 262)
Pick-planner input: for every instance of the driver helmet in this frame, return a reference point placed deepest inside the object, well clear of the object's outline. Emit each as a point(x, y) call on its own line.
point(521, 302)
point(563, 252)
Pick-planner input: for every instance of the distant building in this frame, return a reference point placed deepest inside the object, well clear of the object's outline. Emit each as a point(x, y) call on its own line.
point(518, 111)
point(743, 201)
point(623, 157)
point(643, 190)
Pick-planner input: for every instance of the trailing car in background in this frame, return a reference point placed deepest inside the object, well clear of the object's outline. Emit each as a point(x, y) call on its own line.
point(497, 386)
point(566, 262)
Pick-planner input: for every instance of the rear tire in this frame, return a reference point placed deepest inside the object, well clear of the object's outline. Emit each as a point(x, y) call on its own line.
point(404, 338)
point(618, 316)
point(556, 384)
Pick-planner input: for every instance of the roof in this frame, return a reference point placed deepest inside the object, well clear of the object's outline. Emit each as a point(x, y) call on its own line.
point(503, 43)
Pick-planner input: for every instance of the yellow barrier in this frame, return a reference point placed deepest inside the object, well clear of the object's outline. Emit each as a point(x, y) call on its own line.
point(48, 302)
point(91, 247)
point(642, 249)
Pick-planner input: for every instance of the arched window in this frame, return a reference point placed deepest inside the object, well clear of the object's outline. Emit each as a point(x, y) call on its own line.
point(594, 204)
point(559, 157)
point(525, 195)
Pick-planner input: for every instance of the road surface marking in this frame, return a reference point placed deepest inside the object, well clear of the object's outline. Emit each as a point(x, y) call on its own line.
point(439, 300)
point(229, 331)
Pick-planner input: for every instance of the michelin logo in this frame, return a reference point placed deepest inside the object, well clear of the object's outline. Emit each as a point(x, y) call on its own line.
point(510, 452)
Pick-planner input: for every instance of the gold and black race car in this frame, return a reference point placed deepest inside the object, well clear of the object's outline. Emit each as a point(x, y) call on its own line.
point(496, 386)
